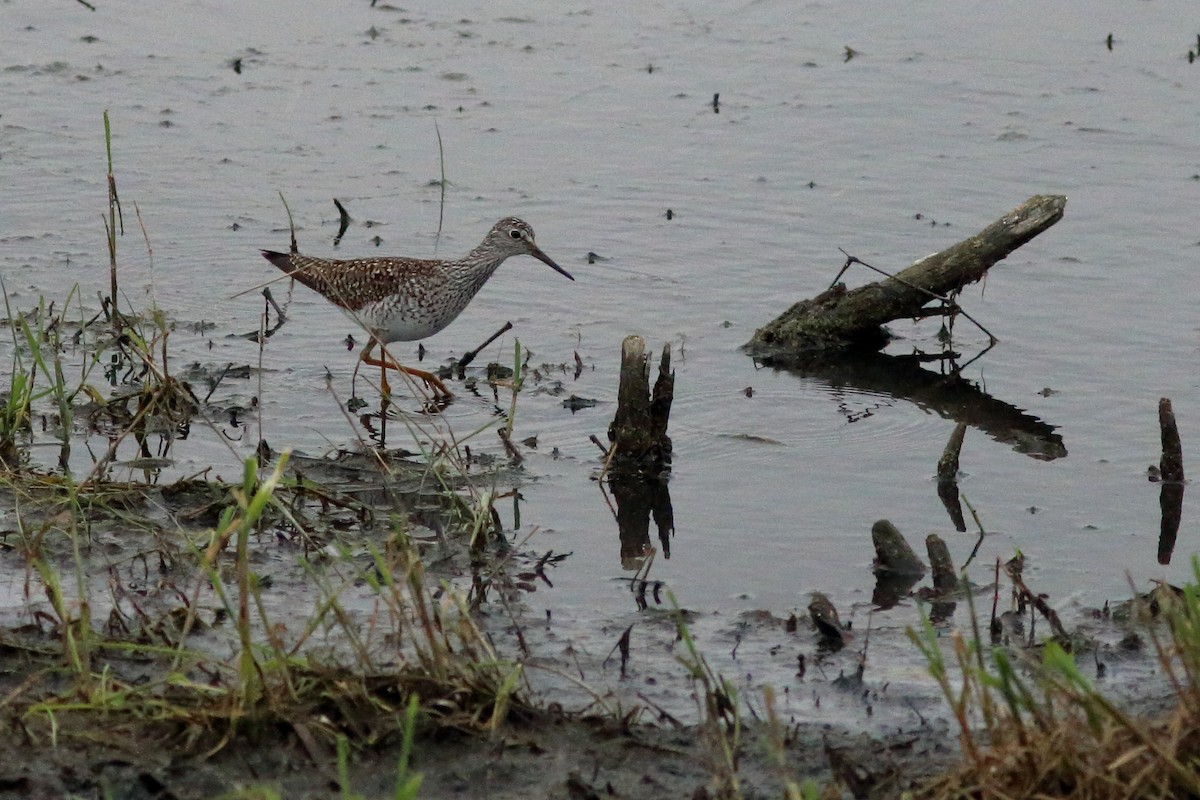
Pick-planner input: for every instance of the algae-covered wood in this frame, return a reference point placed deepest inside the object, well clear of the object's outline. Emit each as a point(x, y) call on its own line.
point(840, 318)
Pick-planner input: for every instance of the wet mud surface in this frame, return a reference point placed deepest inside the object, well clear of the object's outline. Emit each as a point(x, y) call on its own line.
point(550, 757)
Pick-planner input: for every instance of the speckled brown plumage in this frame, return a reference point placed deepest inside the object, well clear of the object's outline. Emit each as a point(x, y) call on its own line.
point(405, 299)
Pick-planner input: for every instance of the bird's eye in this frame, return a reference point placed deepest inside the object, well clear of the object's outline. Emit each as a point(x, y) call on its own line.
point(515, 234)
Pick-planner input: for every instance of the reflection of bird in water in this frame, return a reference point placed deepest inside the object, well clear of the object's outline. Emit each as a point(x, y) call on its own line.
point(406, 299)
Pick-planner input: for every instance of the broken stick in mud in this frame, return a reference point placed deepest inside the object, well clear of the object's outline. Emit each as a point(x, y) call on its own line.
point(841, 319)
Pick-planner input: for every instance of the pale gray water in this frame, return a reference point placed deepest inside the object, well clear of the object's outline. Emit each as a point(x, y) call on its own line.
point(548, 111)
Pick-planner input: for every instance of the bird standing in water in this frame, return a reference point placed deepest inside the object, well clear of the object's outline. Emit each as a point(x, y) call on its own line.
point(406, 299)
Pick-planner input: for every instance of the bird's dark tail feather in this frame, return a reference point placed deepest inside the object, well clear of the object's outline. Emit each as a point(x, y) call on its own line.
point(281, 260)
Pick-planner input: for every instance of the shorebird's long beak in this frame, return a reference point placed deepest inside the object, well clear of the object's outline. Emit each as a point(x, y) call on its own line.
point(545, 259)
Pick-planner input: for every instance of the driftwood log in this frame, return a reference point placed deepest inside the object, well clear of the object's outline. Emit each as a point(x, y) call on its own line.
point(839, 318)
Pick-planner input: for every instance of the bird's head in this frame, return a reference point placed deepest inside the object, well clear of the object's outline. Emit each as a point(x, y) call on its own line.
point(513, 237)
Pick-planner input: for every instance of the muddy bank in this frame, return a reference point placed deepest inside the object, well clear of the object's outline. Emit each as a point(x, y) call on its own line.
point(550, 756)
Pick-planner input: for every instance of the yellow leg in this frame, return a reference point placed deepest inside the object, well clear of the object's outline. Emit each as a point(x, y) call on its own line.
point(387, 362)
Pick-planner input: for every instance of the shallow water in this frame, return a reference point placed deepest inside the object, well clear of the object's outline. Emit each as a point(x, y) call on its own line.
point(591, 121)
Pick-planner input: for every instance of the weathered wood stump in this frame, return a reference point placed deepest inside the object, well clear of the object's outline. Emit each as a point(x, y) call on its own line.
point(897, 568)
point(840, 318)
point(947, 472)
point(893, 556)
point(945, 579)
point(639, 428)
point(1170, 467)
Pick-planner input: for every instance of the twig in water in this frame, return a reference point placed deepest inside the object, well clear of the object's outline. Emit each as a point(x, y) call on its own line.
point(442, 183)
point(291, 223)
point(982, 532)
point(262, 346)
point(622, 645)
point(994, 625)
point(513, 452)
point(149, 250)
point(944, 298)
point(1039, 603)
point(469, 357)
point(344, 220)
point(217, 382)
point(266, 292)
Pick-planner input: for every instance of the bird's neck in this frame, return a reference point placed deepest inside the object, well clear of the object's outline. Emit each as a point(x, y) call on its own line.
point(474, 270)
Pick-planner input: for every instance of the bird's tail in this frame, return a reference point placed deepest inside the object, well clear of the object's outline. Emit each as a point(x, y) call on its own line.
point(281, 260)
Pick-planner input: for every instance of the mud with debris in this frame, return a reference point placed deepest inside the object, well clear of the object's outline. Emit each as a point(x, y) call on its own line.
point(550, 755)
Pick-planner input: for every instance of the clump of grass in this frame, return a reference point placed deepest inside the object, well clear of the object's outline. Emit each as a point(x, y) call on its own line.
point(720, 719)
point(132, 350)
point(1042, 729)
point(16, 408)
point(115, 217)
point(442, 655)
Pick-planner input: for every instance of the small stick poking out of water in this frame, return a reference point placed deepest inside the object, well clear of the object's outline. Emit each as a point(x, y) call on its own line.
point(271, 300)
point(343, 220)
point(623, 646)
point(469, 357)
point(947, 466)
point(1171, 465)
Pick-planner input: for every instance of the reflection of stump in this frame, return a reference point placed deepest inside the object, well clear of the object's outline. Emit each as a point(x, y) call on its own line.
point(641, 451)
point(638, 500)
point(1170, 502)
point(639, 428)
